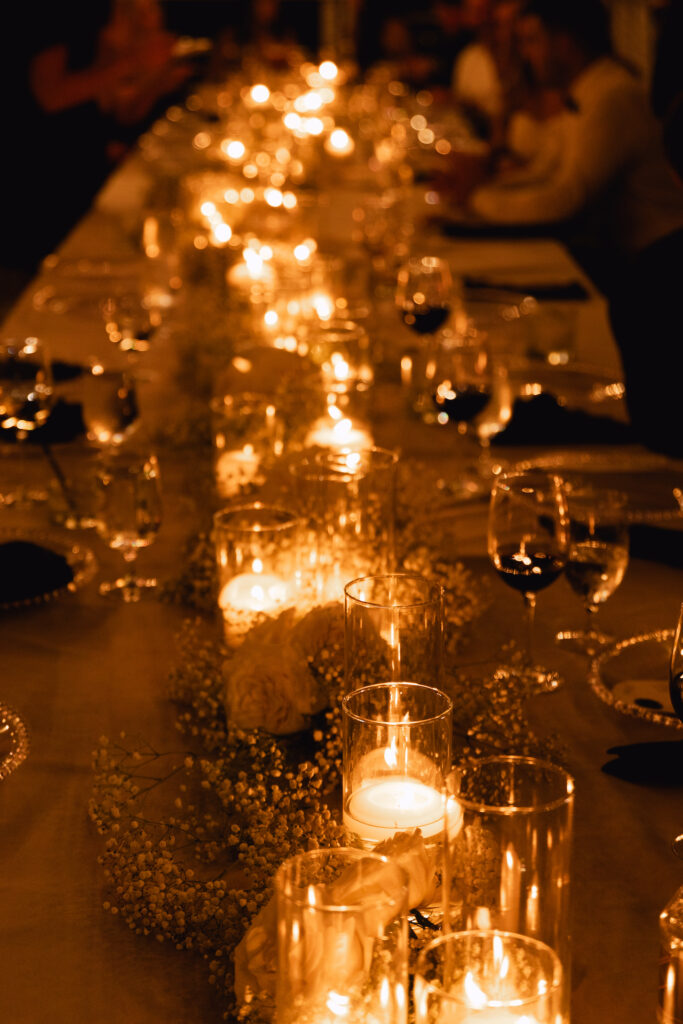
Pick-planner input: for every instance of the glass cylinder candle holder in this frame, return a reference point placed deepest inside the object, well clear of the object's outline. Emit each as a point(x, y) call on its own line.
point(257, 551)
point(488, 977)
point(341, 348)
point(348, 497)
point(393, 629)
point(342, 939)
point(397, 755)
point(248, 432)
point(507, 850)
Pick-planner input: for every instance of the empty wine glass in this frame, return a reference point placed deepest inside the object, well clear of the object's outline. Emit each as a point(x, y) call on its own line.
point(424, 294)
point(528, 543)
point(597, 561)
point(130, 319)
point(128, 515)
point(676, 674)
point(25, 397)
point(110, 406)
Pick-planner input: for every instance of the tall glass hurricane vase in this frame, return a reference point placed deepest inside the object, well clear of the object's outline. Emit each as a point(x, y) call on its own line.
point(342, 939)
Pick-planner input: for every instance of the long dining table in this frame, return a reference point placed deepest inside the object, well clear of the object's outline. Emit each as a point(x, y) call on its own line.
point(80, 667)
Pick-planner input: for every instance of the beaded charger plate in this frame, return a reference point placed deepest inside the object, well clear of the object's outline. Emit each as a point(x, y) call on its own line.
point(633, 677)
point(58, 566)
point(14, 740)
point(648, 480)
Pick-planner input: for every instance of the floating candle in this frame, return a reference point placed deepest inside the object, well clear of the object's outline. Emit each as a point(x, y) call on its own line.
point(394, 804)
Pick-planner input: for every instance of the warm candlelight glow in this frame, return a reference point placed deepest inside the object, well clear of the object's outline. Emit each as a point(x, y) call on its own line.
point(260, 93)
point(328, 70)
point(338, 431)
point(340, 143)
point(254, 591)
point(394, 804)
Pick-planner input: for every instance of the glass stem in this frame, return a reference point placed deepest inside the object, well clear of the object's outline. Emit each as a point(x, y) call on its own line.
point(130, 586)
point(591, 609)
point(530, 608)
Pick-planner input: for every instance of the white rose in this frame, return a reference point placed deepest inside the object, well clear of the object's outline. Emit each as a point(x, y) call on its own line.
point(408, 849)
point(256, 956)
point(322, 627)
point(270, 687)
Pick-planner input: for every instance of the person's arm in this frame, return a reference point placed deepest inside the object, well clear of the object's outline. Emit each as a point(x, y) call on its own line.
point(57, 88)
point(596, 147)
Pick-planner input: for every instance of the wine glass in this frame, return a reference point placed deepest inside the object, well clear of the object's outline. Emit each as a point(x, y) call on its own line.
point(597, 561)
point(25, 396)
point(110, 406)
point(130, 320)
point(676, 674)
point(528, 543)
point(128, 514)
point(424, 294)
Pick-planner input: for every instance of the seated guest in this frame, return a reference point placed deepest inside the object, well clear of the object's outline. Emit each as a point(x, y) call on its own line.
point(609, 176)
point(77, 77)
point(646, 317)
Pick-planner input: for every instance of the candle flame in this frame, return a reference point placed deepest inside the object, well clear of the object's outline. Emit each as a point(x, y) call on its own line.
point(338, 1004)
point(257, 565)
point(476, 998)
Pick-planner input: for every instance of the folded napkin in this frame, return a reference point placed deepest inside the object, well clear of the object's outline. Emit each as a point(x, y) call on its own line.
point(65, 423)
point(29, 571)
point(540, 420)
point(648, 764)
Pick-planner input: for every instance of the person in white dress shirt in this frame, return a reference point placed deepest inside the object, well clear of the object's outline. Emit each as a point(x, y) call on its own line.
point(607, 164)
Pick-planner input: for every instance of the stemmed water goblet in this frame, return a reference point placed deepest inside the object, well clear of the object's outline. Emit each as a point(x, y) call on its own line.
point(528, 543)
point(128, 515)
point(130, 320)
point(597, 560)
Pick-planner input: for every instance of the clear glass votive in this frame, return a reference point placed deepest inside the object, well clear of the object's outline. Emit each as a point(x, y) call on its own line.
point(341, 348)
point(507, 850)
point(257, 551)
point(248, 432)
point(348, 497)
point(397, 755)
point(488, 977)
point(342, 939)
point(393, 629)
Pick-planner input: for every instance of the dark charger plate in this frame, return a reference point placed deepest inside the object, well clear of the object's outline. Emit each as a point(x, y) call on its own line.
point(36, 567)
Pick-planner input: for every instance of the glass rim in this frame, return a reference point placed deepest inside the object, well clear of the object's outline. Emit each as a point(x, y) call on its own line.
point(219, 403)
point(399, 682)
point(313, 466)
point(342, 325)
point(555, 982)
point(519, 809)
point(292, 518)
point(427, 260)
point(533, 473)
point(439, 590)
point(344, 851)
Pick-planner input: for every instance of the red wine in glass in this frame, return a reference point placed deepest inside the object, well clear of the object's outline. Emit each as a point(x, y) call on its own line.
point(528, 571)
point(424, 319)
point(461, 404)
